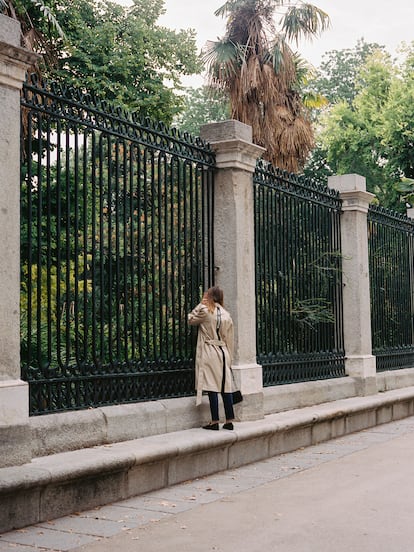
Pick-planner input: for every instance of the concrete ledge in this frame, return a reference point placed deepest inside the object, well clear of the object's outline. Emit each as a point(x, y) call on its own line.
point(395, 379)
point(299, 395)
point(67, 431)
point(55, 433)
point(60, 484)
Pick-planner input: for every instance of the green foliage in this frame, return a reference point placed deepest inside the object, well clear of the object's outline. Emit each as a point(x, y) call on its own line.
point(398, 119)
point(116, 53)
point(202, 106)
point(312, 312)
point(336, 78)
point(369, 130)
point(406, 188)
point(317, 167)
point(123, 56)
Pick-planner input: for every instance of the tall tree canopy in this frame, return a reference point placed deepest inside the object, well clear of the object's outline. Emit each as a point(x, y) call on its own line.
point(372, 134)
point(120, 54)
point(336, 78)
point(260, 72)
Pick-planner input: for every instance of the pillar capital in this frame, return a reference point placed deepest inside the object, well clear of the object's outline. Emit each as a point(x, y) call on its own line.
point(236, 154)
point(356, 200)
point(353, 192)
point(14, 62)
point(231, 141)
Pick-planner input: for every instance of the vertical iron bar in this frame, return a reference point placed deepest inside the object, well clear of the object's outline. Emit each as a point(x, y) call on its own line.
point(39, 242)
point(94, 253)
point(110, 277)
point(76, 245)
point(116, 211)
point(49, 289)
point(126, 228)
point(161, 301)
point(59, 305)
point(173, 184)
point(85, 248)
point(134, 215)
point(102, 256)
point(155, 351)
point(147, 260)
point(29, 179)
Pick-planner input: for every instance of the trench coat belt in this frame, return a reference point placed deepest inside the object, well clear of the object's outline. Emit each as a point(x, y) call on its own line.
point(216, 342)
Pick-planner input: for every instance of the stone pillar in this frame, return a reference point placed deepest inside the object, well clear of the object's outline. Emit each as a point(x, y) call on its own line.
point(14, 398)
point(236, 157)
point(360, 363)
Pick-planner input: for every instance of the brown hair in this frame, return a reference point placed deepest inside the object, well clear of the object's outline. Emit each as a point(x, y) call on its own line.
point(212, 296)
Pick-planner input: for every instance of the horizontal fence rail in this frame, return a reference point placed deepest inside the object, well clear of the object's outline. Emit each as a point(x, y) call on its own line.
point(390, 239)
point(116, 248)
point(298, 278)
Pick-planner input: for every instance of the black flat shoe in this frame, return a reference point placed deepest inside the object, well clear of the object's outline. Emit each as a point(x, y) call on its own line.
point(228, 426)
point(211, 426)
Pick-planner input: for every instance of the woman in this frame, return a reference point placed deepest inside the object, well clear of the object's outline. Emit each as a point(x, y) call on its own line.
point(214, 355)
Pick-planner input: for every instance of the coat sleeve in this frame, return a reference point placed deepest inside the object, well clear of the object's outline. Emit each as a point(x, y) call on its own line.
point(198, 315)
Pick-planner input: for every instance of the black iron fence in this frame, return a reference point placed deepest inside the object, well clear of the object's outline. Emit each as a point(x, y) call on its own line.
point(391, 242)
point(116, 248)
point(298, 278)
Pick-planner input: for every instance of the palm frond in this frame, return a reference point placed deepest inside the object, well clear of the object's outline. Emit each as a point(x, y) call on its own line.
point(305, 20)
point(222, 60)
point(282, 58)
point(314, 100)
point(230, 7)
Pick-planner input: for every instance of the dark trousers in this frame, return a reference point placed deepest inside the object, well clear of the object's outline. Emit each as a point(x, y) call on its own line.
point(214, 406)
point(227, 397)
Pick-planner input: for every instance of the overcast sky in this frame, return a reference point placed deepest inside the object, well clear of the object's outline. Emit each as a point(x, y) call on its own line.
point(383, 21)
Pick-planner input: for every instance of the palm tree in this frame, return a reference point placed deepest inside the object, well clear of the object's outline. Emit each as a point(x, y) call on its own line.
point(261, 74)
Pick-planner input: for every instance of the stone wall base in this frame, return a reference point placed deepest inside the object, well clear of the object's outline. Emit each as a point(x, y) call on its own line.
point(54, 433)
point(15, 432)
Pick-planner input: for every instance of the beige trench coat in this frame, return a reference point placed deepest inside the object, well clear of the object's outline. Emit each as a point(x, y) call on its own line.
point(209, 356)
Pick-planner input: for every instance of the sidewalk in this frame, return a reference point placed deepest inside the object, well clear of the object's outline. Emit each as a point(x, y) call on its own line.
point(351, 494)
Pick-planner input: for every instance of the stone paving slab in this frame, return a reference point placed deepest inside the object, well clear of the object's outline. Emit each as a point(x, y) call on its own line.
point(119, 513)
point(11, 547)
point(73, 532)
point(37, 537)
point(196, 492)
point(168, 506)
point(88, 525)
point(130, 514)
